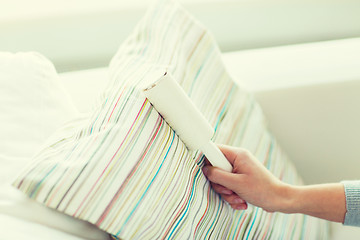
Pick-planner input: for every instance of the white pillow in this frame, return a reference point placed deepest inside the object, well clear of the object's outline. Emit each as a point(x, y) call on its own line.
point(33, 103)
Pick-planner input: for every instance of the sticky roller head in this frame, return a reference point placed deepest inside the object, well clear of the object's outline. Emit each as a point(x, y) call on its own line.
point(177, 109)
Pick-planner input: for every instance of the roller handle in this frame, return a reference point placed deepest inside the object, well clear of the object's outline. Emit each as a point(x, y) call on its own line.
point(216, 157)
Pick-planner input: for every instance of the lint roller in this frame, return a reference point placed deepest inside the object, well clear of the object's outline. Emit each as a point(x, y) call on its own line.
point(170, 100)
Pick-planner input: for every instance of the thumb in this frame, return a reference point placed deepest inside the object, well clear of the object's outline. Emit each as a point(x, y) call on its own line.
point(216, 175)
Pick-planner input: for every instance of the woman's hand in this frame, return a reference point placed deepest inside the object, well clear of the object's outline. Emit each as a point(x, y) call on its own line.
point(249, 182)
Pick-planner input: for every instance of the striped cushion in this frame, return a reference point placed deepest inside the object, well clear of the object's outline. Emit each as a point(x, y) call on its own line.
point(126, 171)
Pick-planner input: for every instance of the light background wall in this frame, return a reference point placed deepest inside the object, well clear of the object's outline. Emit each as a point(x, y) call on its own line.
point(80, 34)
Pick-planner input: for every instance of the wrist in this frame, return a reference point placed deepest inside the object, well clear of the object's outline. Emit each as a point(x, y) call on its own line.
point(287, 199)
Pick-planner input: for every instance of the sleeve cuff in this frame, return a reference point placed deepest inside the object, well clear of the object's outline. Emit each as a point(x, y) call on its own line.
point(352, 194)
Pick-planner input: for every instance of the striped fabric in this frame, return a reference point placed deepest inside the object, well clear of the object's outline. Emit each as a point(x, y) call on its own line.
point(126, 171)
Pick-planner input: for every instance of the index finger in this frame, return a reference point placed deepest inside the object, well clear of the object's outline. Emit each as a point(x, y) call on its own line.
point(229, 152)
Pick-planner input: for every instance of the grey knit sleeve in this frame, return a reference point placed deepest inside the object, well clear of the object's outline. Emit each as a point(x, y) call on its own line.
point(352, 194)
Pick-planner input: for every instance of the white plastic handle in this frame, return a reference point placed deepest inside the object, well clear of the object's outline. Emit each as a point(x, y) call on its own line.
point(216, 157)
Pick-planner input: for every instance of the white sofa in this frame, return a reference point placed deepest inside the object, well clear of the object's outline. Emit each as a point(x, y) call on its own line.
point(310, 94)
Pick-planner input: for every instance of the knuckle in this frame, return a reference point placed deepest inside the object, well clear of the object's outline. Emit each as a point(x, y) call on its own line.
point(215, 186)
point(210, 174)
point(225, 197)
point(244, 153)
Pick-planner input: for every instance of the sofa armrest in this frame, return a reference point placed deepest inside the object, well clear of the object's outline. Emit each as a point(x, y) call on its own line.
point(310, 94)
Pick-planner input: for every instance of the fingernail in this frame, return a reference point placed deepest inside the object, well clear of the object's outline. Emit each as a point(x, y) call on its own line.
point(205, 170)
point(226, 191)
point(241, 207)
point(238, 201)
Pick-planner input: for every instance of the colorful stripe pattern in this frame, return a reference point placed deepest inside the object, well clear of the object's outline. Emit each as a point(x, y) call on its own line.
point(126, 171)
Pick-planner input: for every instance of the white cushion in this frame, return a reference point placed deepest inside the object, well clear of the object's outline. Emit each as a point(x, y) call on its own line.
point(33, 104)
